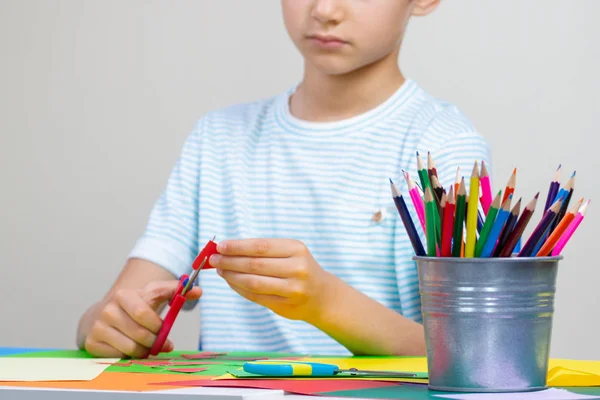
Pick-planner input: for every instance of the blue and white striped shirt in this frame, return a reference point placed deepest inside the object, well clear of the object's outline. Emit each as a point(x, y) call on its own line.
point(255, 170)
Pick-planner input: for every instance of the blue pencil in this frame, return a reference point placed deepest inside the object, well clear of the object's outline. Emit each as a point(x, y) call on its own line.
point(408, 222)
point(503, 215)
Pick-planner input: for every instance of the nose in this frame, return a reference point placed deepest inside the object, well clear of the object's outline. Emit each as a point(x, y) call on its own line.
point(328, 11)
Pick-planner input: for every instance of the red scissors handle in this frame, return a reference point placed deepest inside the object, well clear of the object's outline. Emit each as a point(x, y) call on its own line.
point(176, 303)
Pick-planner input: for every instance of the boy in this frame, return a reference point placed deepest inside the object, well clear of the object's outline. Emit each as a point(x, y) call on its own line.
point(313, 258)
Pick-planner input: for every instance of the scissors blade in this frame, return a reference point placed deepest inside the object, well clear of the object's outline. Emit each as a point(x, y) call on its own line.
point(354, 371)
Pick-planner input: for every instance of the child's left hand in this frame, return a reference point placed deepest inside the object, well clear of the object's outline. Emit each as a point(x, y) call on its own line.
point(280, 274)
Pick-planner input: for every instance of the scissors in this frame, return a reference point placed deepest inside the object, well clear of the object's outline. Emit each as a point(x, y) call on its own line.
point(186, 283)
point(301, 368)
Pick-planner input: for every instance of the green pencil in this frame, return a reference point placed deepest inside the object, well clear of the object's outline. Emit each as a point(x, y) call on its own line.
point(430, 209)
point(459, 219)
point(426, 183)
point(423, 173)
point(487, 226)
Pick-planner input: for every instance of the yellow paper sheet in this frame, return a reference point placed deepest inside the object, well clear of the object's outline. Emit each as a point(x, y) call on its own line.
point(563, 372)
point(52, 369)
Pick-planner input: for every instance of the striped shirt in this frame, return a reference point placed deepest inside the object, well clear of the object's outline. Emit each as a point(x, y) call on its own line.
point(254, 170)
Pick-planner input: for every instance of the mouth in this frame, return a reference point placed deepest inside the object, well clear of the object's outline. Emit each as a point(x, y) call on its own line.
point(327, 41)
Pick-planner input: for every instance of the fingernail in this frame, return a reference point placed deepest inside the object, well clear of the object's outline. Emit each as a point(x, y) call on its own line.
point(221, 246)
point(220, 272)
point(215, 260)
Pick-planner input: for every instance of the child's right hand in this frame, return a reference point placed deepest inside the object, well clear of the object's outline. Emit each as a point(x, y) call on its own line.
point(128, 321)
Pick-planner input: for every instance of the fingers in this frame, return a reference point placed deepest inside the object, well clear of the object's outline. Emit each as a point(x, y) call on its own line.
point(275, 267)
point(265, 300)
point(263, 285)
point(136, 308)
point(99, 349)
point(275, 248)
point(157, 293)
point(129, 321)
point(106, 334)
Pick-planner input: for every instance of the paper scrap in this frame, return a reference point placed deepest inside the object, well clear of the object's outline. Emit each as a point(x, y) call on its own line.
point(52, 369)
point(549, 394)
point(187, 370)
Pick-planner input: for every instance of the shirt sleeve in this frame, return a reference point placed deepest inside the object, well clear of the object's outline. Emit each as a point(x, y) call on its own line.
point(170, 237)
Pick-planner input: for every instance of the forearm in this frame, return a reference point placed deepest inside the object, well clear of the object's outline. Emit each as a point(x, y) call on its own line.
point(364, 326)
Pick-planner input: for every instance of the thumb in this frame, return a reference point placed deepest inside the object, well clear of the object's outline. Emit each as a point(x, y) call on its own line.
point(157, 293)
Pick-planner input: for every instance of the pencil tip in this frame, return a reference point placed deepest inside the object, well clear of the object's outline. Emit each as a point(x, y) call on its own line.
point(574, 173)
point(537, 195)
point(417, 154)
point(515, 171)
point(559, 167)
point(391, 181)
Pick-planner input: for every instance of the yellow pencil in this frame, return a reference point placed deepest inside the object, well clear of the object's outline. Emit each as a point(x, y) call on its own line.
point(472, 213)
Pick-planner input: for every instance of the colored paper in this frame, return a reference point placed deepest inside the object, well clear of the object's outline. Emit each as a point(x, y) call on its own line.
point(51, 369)
point(298, 386)
point(550, 394)
point(112, 381)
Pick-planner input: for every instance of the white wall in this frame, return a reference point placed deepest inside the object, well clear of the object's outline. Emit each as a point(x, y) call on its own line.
point(96, 98)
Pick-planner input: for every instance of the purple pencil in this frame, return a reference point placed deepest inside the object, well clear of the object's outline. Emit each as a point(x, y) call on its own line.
point(539, 230)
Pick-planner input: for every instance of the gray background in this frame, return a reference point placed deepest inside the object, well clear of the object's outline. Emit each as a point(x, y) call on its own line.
point(97, 97)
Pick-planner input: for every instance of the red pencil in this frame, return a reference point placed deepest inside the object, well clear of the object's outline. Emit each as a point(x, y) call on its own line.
point(486, 197)
point(448, 225)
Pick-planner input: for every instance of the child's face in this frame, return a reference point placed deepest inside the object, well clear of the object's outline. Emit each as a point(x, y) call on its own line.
point(340, 36)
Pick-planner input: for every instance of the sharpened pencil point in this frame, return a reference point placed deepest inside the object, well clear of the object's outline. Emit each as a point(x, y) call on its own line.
point(537, 195)
point(391, 182)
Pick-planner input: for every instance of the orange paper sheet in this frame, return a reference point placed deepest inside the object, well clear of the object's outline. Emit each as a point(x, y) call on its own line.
point(125, 381)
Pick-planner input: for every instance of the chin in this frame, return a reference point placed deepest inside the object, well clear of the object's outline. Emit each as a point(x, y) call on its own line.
point(332, 65)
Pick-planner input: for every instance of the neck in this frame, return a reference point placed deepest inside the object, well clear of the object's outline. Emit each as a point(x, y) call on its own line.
point(322, 97)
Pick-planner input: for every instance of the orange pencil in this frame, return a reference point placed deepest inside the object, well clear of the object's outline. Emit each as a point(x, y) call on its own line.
point(510, 186)
point(559, 231)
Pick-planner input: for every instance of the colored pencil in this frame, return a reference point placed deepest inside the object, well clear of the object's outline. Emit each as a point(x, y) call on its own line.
point(517, 232)
point(416, 198)
point(569, 187)
point(559, 231)
point(486, 189)
point(448, 225)
point(508, 227)
point(565, 195)
point(459, 219)
point(501, 218)
point(553, 190)
point(489, 223)
point(423, 173)
point(407, 220)
point(426, 183)
point(438, 192)
point(472, 213)
point(430, 211)
point(562, 242)
point(457, 182)
point(539, 230)
point(431, 169)
point(510, 186)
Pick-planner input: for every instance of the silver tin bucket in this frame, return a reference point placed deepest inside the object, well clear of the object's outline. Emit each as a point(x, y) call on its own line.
point(487, 321)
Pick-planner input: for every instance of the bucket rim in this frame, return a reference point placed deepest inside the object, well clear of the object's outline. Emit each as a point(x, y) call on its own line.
point(489, 260)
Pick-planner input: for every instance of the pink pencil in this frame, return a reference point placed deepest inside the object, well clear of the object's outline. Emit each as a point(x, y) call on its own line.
point(562, 242)
point(416, 198)
point(486, 189)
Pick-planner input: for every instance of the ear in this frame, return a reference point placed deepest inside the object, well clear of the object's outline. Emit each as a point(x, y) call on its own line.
point(424, 7)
